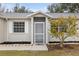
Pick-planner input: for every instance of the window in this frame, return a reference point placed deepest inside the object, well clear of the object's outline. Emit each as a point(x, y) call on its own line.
point(19, 26)
point(63, 28)
point(60, 28)
point(39, 19)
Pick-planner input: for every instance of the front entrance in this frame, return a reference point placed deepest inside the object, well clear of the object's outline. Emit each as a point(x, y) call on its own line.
point(39, 31)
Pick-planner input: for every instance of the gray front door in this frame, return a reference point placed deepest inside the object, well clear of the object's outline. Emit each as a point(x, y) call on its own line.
point(39, 33)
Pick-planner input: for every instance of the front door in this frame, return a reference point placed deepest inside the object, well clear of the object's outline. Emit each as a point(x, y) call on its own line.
point(39, 32)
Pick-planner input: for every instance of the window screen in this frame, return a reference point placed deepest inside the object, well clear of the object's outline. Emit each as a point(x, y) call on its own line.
point(63, 28)
point(60, 28)
point(19, 26)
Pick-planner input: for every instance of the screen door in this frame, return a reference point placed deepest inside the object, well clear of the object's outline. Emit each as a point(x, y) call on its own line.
point(39, 32)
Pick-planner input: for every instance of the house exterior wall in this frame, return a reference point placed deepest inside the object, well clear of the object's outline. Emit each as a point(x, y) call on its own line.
point(17, 37)
point(6, 35)
point(5, 30)
point(1, 30)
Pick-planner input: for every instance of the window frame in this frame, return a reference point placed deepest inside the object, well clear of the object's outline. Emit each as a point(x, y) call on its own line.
point(59, 28)
point(19, 28)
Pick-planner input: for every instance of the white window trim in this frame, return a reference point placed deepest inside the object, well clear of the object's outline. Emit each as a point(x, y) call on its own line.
point(10, 26)
point(26, 27)
point(11, 29)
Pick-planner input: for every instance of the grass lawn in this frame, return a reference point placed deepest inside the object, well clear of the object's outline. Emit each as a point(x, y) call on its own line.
point(72, 50)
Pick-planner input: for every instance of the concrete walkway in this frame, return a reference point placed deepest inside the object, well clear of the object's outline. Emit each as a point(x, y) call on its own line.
point(23, 47)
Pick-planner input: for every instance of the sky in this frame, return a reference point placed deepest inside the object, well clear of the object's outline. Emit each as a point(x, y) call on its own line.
point(30, 6)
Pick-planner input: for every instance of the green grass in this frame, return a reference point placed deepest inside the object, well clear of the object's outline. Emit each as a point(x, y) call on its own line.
point(39, 53)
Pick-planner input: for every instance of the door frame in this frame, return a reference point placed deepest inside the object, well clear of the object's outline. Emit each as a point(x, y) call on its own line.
point(39, 33)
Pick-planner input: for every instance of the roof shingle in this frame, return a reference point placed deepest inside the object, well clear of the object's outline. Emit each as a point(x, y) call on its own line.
point(23, 15)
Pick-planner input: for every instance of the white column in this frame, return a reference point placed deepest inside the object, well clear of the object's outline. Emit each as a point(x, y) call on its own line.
point(7, 29)
point(31, 30)
point(46, 30)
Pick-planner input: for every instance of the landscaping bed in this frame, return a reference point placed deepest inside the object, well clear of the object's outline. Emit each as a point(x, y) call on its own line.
point(66, 46)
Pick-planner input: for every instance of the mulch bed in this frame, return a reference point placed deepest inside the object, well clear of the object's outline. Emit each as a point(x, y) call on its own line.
point(15, 42)
point(65, 47)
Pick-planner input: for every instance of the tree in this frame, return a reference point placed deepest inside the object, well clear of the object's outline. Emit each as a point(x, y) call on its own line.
point(63, 7)
point(16, 8)
point(53, 8)
point(21, 9)
point(63, 28)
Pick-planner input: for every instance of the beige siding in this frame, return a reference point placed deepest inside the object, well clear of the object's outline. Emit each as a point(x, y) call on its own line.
point(14, 37)
point(1, 30)
point(5, 30)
